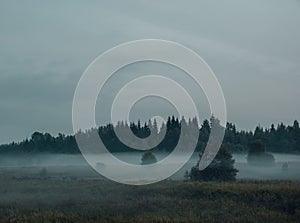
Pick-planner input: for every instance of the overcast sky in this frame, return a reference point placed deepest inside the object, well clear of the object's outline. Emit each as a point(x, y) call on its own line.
point(252, 46)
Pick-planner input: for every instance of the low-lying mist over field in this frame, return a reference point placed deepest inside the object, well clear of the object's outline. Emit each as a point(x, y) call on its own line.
point(76, 166)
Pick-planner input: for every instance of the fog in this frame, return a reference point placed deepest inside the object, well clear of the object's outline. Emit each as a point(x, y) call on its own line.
point(62, 165)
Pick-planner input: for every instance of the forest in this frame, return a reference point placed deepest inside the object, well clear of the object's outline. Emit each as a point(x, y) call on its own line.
point(279, 139)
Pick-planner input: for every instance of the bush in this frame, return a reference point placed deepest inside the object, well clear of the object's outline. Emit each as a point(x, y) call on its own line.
point(220, 169)
point(148, 158)
point(44, 172)
point(257, 154)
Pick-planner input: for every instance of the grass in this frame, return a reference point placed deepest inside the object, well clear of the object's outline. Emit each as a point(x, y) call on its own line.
point(67, 199)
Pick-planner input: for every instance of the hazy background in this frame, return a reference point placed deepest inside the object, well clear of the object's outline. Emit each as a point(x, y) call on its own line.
point(75, 166)
point(252, 46)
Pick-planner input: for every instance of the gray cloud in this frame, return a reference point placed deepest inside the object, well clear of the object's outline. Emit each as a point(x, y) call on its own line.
point(252, 46)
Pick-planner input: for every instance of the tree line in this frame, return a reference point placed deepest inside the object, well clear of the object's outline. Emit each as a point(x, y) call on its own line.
point(280, 138)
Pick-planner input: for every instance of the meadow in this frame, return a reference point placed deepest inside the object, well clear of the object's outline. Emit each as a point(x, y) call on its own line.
point(36, 194)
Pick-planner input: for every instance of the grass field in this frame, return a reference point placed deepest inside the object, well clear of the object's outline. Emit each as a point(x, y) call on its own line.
point(35, 198)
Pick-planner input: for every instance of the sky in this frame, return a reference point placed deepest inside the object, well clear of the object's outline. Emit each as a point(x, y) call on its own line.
point(253, 47)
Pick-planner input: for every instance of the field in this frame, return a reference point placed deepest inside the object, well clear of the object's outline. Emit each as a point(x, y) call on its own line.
point(36, 195)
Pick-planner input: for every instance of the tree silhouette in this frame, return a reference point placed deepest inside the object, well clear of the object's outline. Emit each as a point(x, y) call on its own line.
point(220, 169)
point(280, 138)
point(148, 158)
point(257, 154)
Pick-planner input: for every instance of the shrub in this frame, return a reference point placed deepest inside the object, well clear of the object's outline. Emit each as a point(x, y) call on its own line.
point(257, 154)
point(148, 158)
point(43, 172)
point(220, 169)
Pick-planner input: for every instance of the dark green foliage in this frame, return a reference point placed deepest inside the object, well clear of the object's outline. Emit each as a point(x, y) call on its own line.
point(257, 147)
point(220, 169)
point(257, 154)
point(148, 158)
point(285, 139)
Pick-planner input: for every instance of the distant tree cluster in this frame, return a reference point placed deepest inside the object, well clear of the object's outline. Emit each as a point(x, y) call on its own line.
point(277, 139)
point(43, 143)
point(282, 139)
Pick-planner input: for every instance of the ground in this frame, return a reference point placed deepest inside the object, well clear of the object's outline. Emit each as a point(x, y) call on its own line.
point(31, 195)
